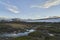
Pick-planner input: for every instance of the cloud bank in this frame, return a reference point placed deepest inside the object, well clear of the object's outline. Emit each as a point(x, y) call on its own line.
point(47, 4)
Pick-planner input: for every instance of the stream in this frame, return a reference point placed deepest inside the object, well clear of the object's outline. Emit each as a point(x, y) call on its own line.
point(18, 34)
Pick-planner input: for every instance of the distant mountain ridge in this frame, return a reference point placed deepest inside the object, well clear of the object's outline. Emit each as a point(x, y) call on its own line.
point(54, 17)
point(49, 19)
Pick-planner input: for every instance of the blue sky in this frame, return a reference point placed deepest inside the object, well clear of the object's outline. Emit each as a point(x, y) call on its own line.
point(29, 9)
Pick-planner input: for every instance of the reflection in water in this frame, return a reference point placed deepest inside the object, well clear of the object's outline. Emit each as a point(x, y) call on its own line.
point(18, 34)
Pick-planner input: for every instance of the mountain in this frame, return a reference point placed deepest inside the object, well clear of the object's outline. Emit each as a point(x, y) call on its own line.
point(50, 19)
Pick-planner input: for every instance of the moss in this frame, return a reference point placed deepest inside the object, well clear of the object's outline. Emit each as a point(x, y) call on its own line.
point(25, 38)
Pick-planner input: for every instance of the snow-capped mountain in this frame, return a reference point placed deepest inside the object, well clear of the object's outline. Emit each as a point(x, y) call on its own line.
point(51, 19)
point(5, 19)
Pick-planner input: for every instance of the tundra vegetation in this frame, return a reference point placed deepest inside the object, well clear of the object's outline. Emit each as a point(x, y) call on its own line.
point(44, 31)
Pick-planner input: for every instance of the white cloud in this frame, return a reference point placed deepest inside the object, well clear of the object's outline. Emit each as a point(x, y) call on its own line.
point(34, 17)
point(4, 17)
point(48, 4)
point(11, 8)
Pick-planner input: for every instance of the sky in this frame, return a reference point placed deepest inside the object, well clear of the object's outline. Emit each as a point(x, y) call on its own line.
point(29, 9)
